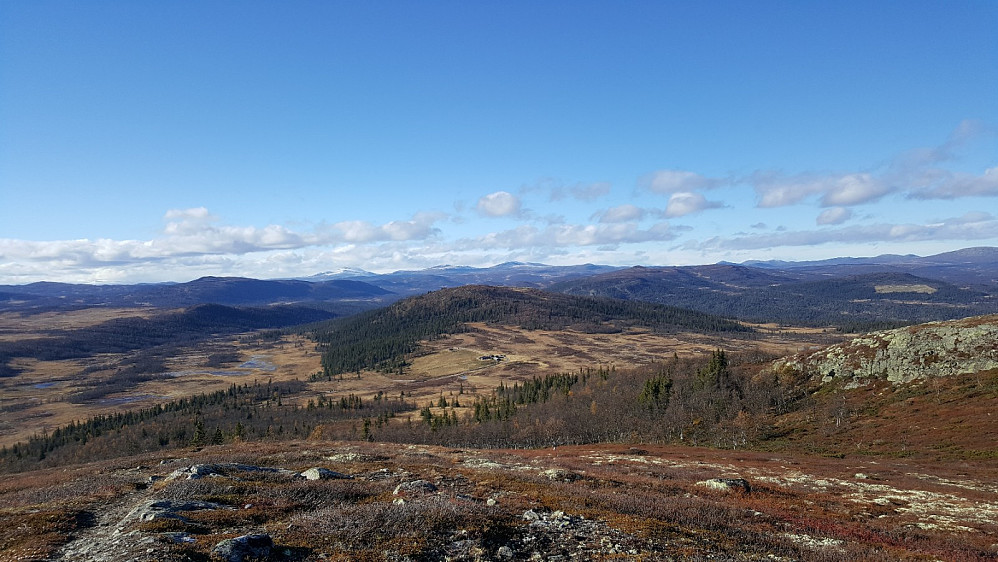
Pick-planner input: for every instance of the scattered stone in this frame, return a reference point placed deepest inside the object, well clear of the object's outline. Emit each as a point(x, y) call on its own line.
point(530, 515)
point(416, 487)
point(505, 552)
point(560, 474)
point(318, 473)
point(815, 543)
point(861, 476)
point(726, 485)
point(355, 457)
point(490, 502)
point(253, 547)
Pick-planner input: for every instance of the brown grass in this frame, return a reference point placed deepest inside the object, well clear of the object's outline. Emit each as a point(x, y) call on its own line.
point(644, 498)
point(29, 411)
point(15, 325)
point(447, 365)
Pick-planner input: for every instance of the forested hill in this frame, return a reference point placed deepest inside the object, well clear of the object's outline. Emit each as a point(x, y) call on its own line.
point(858, 302)
point(380, 339)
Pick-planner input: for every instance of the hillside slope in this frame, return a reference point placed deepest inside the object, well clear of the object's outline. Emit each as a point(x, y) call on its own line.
point(381, 338)
point(925, 391)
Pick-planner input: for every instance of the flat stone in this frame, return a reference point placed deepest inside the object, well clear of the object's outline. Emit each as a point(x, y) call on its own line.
point(319, 473)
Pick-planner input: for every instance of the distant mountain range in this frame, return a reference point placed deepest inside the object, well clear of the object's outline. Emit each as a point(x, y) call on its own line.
point(232, 291)
point(970, 266)
point(857, 292)
point(509, 274)
point(854, 302)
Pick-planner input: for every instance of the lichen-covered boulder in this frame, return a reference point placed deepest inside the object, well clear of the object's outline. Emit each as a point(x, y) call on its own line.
point(739, 485)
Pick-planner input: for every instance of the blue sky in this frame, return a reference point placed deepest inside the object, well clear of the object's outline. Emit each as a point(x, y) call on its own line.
point(145, 141)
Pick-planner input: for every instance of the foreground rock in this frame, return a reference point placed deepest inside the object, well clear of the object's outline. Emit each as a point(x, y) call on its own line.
point(415, 488)
point(246, 547)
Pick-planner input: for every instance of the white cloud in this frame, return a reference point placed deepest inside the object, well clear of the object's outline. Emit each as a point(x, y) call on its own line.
point(952, 186)
point(971, 226)
point(778, 190)
point(357, 232)
point(914, 173)
point(499, 204)
point(674, 181)
point(185, 221)
point(190, 236)
point(835, 215)
point(687, 203)
point(965, 132)
point(420, 227)
point(853, 189)
point(195, 213)
point(555, 236)
point(622, 213)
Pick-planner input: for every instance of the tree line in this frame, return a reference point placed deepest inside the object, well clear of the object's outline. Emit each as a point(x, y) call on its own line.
point(717, 400)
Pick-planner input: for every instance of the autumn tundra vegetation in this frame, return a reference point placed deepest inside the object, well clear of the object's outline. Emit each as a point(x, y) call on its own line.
point(611, 429)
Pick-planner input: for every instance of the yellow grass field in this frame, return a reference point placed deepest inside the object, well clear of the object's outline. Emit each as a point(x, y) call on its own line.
point(38, 399)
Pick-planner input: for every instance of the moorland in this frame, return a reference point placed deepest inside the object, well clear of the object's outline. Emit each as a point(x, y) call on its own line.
point(517, 412)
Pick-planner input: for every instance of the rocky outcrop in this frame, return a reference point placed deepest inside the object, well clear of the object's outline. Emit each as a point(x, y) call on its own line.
point(937, 349)
point(169, 509)
point(198, 471)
